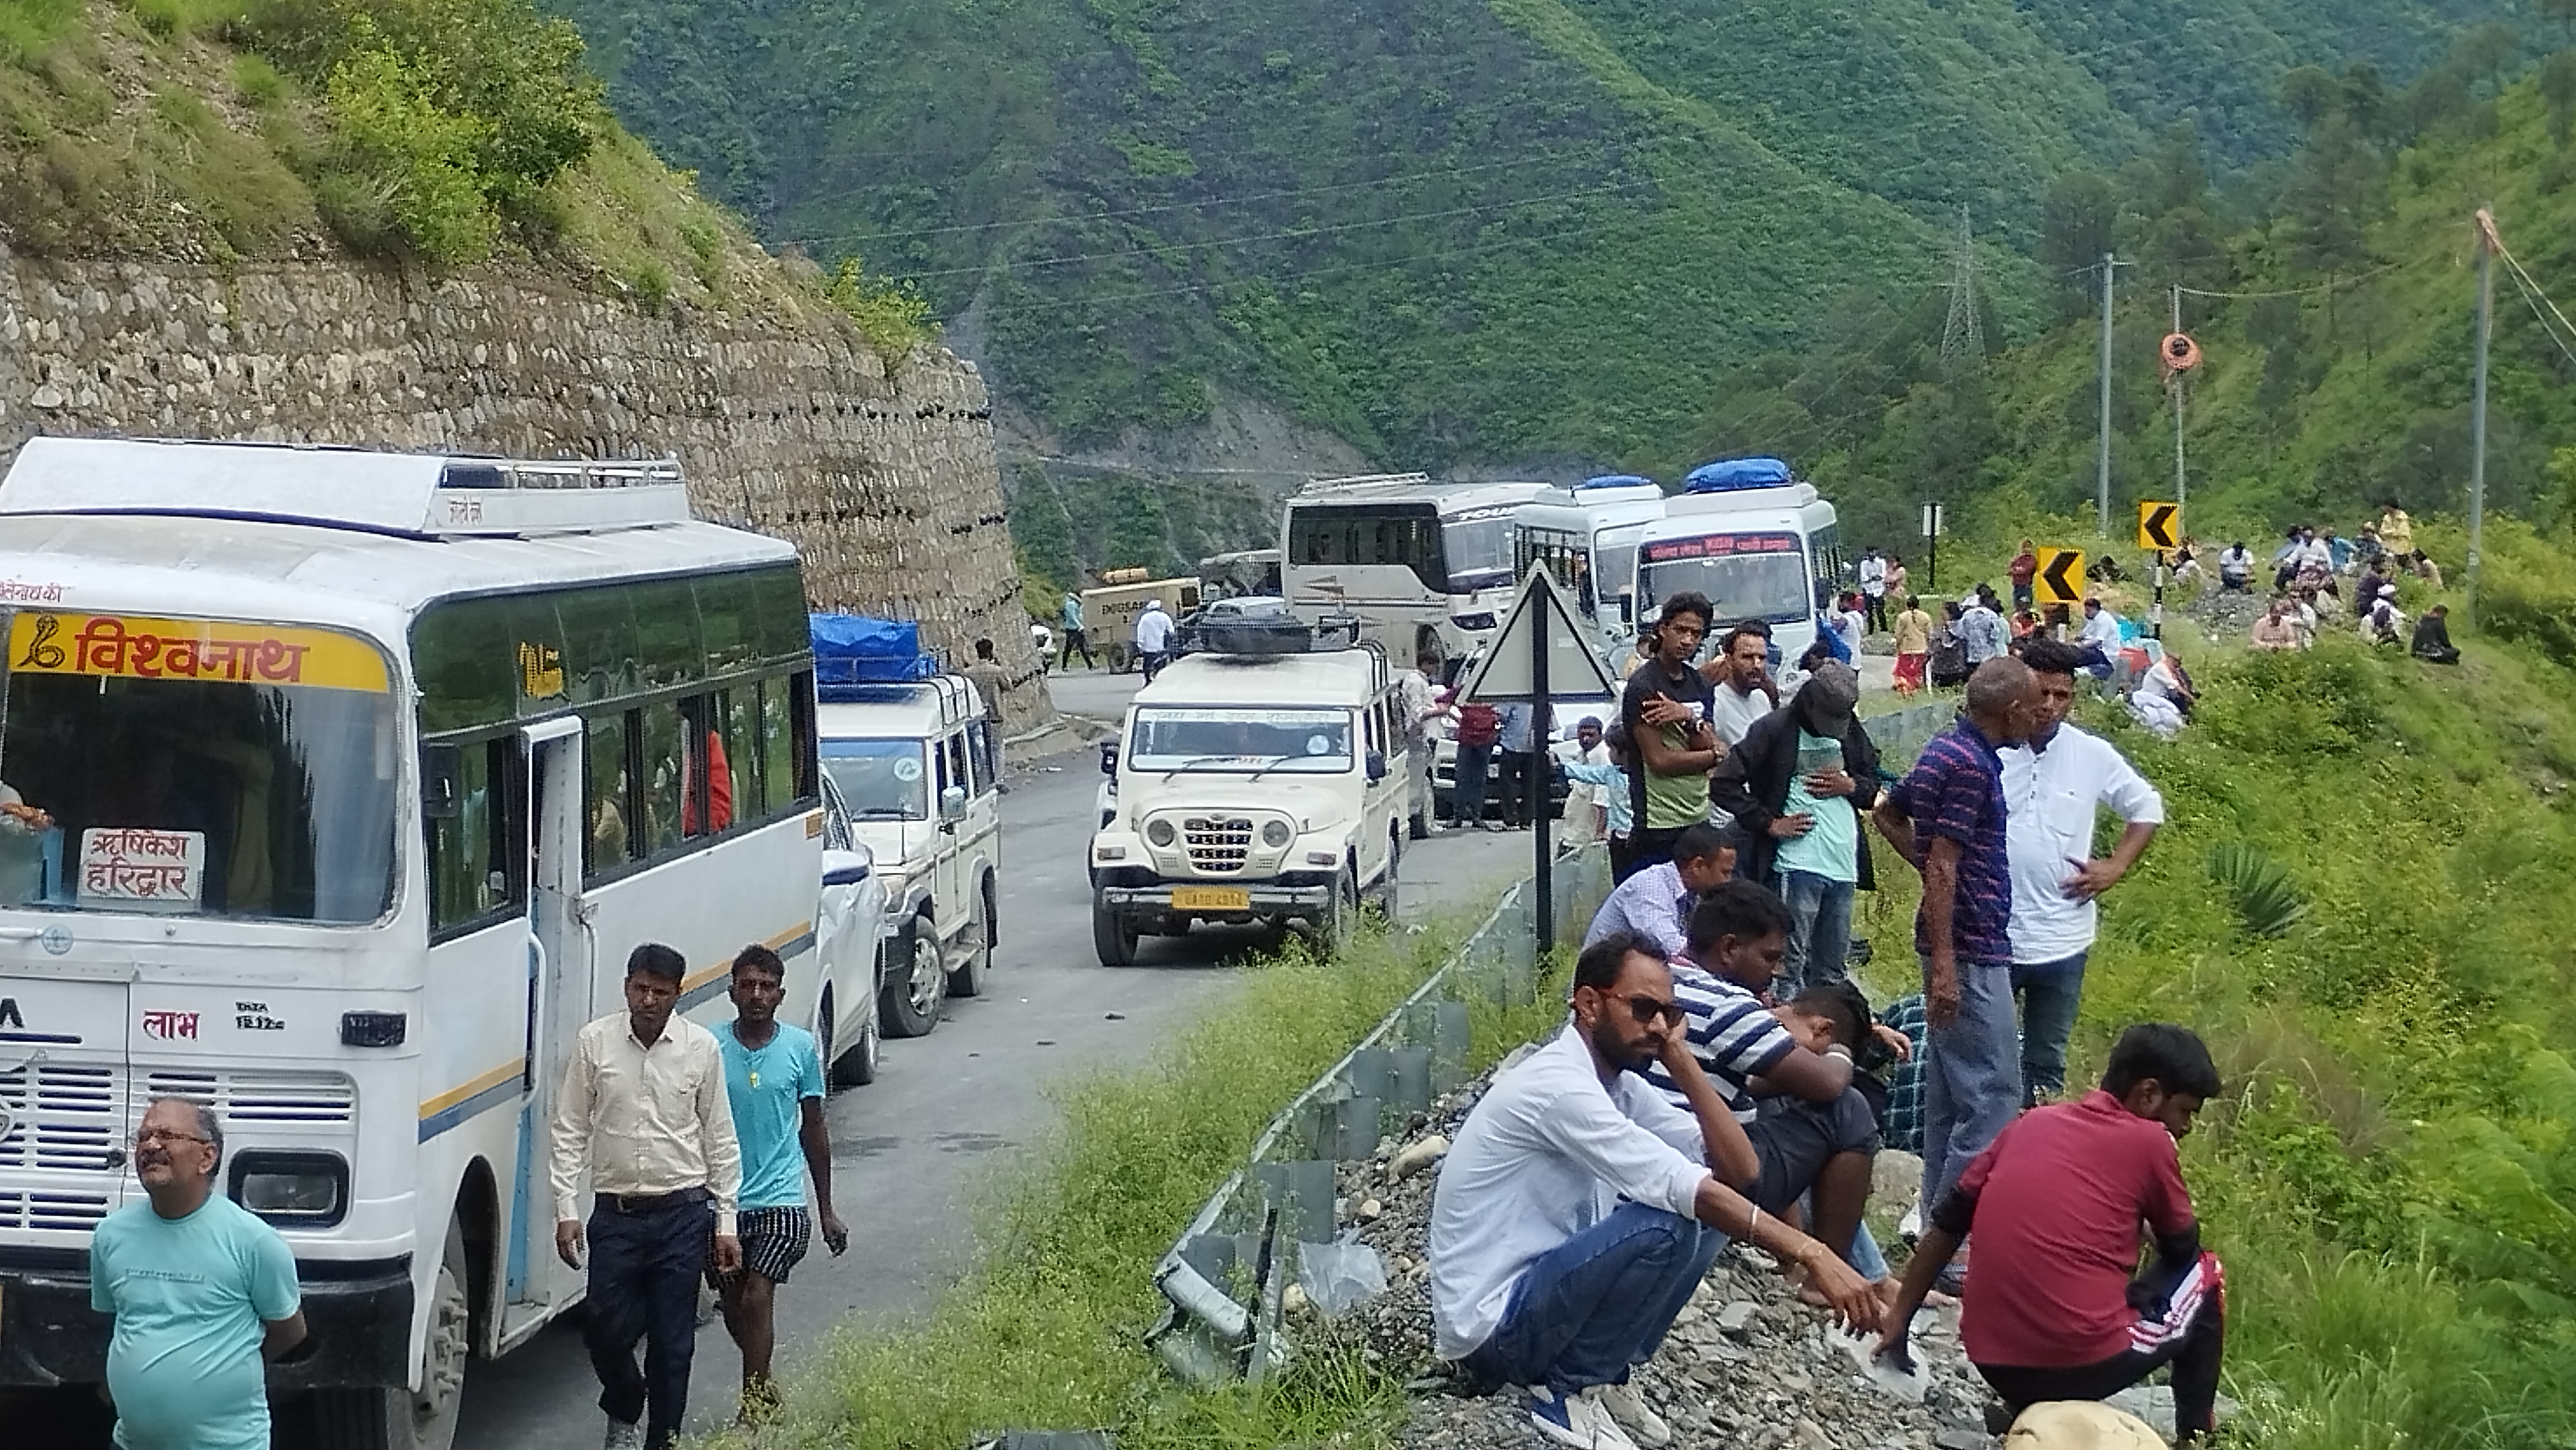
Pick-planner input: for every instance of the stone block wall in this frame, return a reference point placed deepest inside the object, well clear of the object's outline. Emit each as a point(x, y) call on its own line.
point(783, 418)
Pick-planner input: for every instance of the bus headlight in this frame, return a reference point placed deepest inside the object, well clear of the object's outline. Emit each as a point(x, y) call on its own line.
point(1481, 619)
point(1276, 835)
point(1160, 833)
point(292, 1189)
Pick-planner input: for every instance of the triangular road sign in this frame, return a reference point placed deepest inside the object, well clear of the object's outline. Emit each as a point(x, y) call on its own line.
point(1573, 670)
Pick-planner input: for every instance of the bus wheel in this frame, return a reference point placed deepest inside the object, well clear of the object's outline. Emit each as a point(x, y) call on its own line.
point(393, 1417)
point(916, 982)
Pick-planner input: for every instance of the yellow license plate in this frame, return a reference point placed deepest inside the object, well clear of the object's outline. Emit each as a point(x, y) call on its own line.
point(1211, 898)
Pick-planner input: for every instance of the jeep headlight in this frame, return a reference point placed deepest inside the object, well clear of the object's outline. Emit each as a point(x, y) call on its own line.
point(1276, 835)
point(1159, 832)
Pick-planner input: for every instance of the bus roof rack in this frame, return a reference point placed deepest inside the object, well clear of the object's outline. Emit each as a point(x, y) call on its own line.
point(427, 495)
point(1613, 480)
point(1360, 482)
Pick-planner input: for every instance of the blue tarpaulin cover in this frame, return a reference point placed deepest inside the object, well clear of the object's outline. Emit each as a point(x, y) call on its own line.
point(852, 649)
point(1728, 474)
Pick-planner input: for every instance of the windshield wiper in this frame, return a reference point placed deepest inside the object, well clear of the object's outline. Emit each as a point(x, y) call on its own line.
point(1195, 760)
point(1283, 760)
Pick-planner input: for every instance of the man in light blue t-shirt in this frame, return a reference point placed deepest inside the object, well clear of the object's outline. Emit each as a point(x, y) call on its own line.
point(774, 1079)
point(201, 1290)
point(1797, 785)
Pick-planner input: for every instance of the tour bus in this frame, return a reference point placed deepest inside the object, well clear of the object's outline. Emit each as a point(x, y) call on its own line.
point(1587, 537)
point(1425, 567)
point(1759, 542)
point(339, 785)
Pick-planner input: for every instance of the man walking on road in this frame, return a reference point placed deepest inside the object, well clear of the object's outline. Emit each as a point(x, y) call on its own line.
point(1413, 697)
point(1947, 817)
point(1666, 710)
point(774, 1083)
point(201, 1291)
point(2053, 783)
point(643, 1115)
point(1075, 640)
point(1797, 786)
point(1153, 639)
point(990, 681)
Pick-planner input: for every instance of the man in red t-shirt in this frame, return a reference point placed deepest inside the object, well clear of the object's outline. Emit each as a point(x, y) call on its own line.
point(2058, 1202)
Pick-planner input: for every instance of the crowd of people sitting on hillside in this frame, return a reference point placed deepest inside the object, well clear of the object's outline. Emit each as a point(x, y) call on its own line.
point(2310, 571)
point(1722, 1077)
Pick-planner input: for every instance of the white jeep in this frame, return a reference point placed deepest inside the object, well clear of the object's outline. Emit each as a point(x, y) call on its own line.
point(1250, 788)
point(919, 773)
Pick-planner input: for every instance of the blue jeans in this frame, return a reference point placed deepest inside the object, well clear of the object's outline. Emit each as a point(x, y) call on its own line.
point(2049, 992)
point(1599, 1302)
point(1820, 910)
point(1467, 787)
point(1971, 1076)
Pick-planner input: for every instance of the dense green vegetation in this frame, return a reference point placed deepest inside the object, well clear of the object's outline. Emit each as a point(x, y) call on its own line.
point(1448, 230)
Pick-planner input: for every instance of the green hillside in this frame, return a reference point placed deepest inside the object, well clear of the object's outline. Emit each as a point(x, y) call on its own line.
point(1452, 231)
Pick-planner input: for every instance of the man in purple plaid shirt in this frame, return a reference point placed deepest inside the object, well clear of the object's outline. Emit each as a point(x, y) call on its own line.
point(1947, 817)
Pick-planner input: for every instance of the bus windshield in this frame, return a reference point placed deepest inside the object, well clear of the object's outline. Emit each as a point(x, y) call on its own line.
point(1478, 549)
point(196, 768)
point(1218, 739)
point(880, 780)
point(1745, 576)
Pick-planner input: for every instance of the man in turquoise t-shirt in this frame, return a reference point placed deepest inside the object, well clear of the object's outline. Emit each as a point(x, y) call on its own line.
point(774, 1079)
point(201, 1291)
point(1797, 785)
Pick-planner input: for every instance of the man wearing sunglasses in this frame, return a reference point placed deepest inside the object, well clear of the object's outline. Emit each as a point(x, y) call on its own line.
point(1579, 1209)
point(202, 1292)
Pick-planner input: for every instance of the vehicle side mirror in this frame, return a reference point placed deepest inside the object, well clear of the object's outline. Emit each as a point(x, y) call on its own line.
point(1376, 767)
point(442, 781)
point(846, 868)
point(1108, 757)
point(952, 804)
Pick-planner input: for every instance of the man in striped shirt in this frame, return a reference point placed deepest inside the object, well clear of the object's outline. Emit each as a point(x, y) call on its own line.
point(1947, 817)
point(1811, 1130)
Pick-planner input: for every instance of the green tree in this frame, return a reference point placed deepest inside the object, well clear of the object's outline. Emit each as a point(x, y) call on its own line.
point(2332, 195)
point(2558, 90)
point(2562, 11)
point(2310, 95)
point(2078, 219)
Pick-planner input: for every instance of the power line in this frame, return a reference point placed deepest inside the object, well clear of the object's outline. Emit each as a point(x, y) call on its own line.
point(1033, 264)
point(2322, 287)
point(965, 227)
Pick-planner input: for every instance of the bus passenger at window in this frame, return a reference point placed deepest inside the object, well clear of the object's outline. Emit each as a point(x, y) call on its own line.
point(703, 759)
point(22, 847)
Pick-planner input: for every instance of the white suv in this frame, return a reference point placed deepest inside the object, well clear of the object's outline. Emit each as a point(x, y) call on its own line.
point(919, 773)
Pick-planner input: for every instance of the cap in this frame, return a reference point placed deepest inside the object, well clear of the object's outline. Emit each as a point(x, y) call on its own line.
point(1831, 697)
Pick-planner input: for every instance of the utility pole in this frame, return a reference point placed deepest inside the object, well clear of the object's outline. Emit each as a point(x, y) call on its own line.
point(2179, 485)
point(2102, 453)
point(2488, 245)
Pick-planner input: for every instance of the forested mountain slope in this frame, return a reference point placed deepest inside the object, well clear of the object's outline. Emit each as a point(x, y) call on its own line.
point(1452, 231)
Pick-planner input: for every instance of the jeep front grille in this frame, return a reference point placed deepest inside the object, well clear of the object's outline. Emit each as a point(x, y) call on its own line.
point(1218, 845)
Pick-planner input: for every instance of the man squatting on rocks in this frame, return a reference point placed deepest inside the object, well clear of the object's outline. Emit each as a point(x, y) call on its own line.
point(1579, 1208)
point(2056, 1203)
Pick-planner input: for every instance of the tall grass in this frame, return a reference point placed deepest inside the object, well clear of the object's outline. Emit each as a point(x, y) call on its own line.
point(1048, 1331)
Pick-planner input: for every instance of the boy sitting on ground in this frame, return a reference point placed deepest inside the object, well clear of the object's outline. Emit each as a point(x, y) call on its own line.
point(2057, 1203)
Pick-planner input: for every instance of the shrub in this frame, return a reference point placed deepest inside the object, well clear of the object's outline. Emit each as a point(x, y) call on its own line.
point(2267, 901)
point(412, 159)
point(257, 82)
point(893, 316)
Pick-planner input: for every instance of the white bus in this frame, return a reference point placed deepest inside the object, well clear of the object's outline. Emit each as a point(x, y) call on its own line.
point(1587, 537)
point(361, 773)
point(1425, 567)
point(1757, 541)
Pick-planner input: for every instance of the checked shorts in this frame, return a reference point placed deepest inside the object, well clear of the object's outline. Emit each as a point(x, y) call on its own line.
point(774, 1241)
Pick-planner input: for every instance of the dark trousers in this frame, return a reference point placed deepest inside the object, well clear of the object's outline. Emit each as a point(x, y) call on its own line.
point(1650, 848)
point(1077, 642)
point(2186, 1329)
point(1467, 784)
point(644, 1273)
point(1599, 1302)
point(1876, 611)
point(1519, 780)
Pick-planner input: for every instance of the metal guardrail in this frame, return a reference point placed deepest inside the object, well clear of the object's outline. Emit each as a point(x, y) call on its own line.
point(1224, 1276)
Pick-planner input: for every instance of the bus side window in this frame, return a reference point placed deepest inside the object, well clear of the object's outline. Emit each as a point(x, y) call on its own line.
point(609, 842)
point(662, 770)
point(477, 856)
point(706, 769)
point(741, 734)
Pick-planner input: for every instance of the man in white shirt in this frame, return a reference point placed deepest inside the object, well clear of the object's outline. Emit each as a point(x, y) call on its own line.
point(1586, 803)
point(1873, 587)
point(2101, 639)
point(2235, 567)
point(1656, 902)
point(643, 1115)
point(1578, 1209)
point(1416, 709)
point(1741, 678)
point(2053, 783)
point(1153, 639)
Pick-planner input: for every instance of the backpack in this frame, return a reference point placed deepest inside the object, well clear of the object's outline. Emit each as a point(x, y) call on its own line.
point(1479, 725)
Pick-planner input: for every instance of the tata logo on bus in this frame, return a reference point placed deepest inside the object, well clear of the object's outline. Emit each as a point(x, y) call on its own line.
point(1717, 546)
point(9, 1014)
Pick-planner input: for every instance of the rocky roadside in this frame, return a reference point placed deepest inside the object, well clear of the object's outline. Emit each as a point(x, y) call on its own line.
point(1746, 1367)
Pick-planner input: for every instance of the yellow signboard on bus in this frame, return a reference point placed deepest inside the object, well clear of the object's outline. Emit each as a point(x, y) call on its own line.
point(132, 647)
